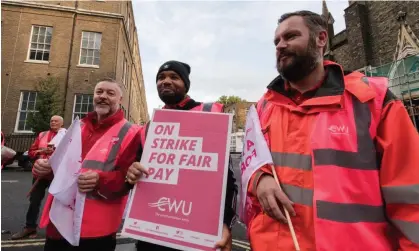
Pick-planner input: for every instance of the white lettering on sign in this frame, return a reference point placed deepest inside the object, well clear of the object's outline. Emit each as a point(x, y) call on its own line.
point(172, 205)
point(166, 152)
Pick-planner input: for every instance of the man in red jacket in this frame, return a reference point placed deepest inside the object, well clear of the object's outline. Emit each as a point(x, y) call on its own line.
point(105, 135)
point(39, 149)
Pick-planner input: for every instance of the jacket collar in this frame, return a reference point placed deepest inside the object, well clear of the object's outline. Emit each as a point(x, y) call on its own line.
point(186, 104)
point(91, 120)
point(331, 90)
point(333, 83)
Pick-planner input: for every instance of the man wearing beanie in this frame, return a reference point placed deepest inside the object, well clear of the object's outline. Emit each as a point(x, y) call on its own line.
point(173, 85)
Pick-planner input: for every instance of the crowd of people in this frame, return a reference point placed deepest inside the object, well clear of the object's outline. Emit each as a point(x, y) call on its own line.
point(343, 146)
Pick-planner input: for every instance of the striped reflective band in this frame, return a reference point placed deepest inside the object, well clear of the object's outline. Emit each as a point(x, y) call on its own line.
point(299, 195)
point(350, 213)
point(408, 194)
point(410, 229)
point(343, 159)
point(292, 160)
point(109, 164)
point(365, 157)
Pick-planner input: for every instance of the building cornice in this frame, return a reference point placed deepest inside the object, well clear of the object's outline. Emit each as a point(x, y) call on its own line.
point(62, 8)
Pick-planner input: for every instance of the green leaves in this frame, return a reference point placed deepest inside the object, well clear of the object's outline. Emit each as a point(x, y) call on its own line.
point(48, 103)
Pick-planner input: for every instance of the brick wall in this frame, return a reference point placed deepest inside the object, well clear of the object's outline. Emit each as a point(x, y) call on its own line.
point(371, 32)
point(18, 75)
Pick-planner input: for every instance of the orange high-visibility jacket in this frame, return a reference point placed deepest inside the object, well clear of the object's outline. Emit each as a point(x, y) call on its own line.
point(349, 160)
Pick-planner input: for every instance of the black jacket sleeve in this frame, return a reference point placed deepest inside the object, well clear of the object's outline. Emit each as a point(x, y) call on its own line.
point(231, 197)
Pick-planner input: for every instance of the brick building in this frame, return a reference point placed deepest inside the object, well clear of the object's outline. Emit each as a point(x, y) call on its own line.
point(239, 111)
point(78, 42)
point(380, 39)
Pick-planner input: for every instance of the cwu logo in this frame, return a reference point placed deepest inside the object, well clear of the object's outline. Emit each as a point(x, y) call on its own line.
point(341, 129)
point(165, 204)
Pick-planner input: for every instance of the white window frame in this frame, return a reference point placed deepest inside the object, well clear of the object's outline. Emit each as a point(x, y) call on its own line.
point(124, 71)
point(19, 110)
point(74, 105)
point(81, 48)
point(128, 25)
point(233, 143)
point(28, 59)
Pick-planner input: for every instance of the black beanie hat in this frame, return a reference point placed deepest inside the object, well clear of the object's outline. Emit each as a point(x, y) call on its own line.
point(180, 68)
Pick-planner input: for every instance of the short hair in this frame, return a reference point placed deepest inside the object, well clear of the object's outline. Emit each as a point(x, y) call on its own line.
point(58, 116)
point(315, 22)
point(111, 80)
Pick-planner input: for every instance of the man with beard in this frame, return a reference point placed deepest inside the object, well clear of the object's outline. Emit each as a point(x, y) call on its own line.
point(173, 85)
point(343, 147)
point(109, 145)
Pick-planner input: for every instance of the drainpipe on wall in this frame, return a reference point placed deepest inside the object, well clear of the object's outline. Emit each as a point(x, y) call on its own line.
point(70, 57)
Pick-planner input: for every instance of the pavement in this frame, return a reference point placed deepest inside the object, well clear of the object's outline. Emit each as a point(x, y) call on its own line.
point(15, 185)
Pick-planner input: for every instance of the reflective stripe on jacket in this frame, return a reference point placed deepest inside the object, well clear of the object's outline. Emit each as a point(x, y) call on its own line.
point(101, 216)
point(325, 155)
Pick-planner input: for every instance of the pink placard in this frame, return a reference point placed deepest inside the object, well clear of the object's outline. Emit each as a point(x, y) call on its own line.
point(181, 203)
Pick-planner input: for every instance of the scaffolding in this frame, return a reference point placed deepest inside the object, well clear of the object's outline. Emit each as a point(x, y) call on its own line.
point(403, 78)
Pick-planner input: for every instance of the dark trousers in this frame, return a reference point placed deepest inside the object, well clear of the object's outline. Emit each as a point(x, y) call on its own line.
point(106, 243)
point(146, 246)
point(35, 201)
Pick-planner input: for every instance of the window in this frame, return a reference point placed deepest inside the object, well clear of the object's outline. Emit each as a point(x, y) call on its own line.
point(90, 48)
point(128, 23)
point(40, 45)
point(233, 143)
point(27, 107)
point(83, 104)
point(124, 72)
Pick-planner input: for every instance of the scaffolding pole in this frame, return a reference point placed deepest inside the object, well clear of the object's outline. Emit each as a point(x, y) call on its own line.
point(410, 94)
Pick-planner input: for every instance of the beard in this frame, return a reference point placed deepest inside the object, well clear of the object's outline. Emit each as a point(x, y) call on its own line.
point(171, 98)
point(104, 110)
point(301, 65)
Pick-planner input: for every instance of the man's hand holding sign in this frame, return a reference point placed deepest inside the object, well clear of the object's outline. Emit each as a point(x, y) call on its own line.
point(136, 171)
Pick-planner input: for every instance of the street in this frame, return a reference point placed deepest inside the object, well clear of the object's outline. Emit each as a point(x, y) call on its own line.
point(14, 204)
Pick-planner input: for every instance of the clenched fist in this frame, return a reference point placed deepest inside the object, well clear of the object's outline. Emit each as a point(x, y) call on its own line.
point(88, 181)
point(41, 168)
point(271, 197)
point(135, 171)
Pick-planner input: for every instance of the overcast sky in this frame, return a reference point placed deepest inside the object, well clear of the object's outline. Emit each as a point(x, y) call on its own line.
point(229, 45)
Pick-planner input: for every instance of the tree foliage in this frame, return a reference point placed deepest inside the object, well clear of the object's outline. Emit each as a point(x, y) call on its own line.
point(48, 104)
point(228, 100)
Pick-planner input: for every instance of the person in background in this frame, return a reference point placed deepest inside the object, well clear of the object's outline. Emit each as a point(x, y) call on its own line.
point(39, 149)
point(173, 85)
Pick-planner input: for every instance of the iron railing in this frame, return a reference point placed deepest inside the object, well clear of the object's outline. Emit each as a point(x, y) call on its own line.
point(19, 142)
